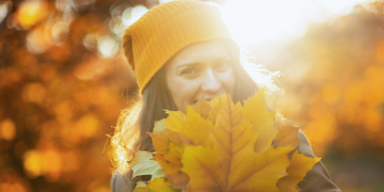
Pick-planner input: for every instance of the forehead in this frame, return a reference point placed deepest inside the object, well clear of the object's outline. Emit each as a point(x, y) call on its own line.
point(199, 53)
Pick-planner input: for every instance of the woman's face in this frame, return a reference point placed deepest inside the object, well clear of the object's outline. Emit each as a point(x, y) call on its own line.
point(200, 70)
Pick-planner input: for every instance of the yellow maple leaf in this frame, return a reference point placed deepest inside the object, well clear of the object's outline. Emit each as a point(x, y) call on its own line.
point(192, 128)
point(196, 130)
point(231, 164)
point(175, 121)
point(298, 168)
point(257, 112)
point(216, 105)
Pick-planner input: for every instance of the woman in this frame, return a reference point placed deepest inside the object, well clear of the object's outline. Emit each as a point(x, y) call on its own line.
point(181, 51)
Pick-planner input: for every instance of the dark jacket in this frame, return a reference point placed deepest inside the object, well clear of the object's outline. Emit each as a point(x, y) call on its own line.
point(316, 180)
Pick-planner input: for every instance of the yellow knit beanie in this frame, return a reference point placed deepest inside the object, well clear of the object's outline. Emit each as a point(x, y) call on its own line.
point(164, 30)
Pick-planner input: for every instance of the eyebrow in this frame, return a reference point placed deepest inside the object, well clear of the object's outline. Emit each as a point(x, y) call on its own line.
point(226, 57)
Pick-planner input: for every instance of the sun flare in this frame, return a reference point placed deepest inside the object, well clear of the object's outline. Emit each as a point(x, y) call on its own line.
point(255, 21)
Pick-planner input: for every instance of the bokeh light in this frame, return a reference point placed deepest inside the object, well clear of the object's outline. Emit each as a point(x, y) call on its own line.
point(4, 9)
point(7, 130)
point(31, 12)
point(64, 80)
point(108, 46)
point(37, 41)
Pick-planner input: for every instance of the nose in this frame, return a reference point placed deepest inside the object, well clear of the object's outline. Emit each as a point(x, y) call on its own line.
point(211, 83)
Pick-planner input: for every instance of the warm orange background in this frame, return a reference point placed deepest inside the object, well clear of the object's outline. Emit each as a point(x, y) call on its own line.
point(64, 80)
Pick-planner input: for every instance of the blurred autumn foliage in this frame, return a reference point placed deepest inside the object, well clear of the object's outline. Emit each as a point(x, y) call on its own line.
point(335, 89)
point(63, 81)
point(338, 80)
point(59, 93)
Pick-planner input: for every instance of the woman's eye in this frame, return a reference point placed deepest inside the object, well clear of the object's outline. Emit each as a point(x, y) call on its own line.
point(189, 71)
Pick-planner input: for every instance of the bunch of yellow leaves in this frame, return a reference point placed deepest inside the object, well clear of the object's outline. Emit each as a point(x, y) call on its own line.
point(222, 146)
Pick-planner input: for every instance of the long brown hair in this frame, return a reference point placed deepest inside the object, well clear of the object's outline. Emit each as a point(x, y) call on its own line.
point(134, 123)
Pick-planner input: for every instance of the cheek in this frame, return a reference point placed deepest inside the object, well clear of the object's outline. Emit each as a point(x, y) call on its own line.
point(229, 81)
point(183, 92)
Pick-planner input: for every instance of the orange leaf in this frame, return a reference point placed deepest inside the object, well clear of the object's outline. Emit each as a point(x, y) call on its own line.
point(202, 107)
point(287, 136)
point(141, 187)
point(171, 164)
point(167, 141)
